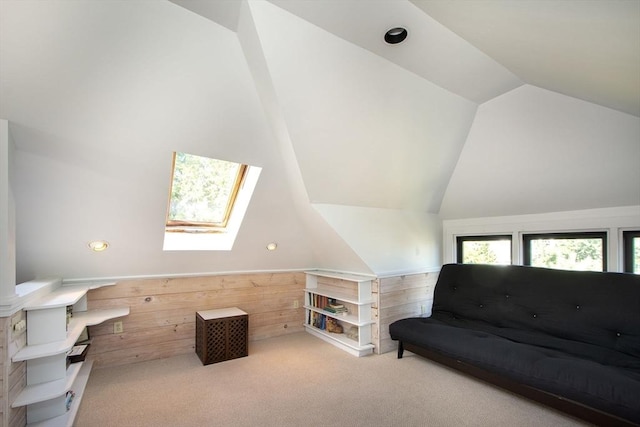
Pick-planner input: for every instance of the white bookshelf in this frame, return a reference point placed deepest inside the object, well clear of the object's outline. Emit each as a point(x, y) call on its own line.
point(49, 338)
point(354, 292)
point(35, 393)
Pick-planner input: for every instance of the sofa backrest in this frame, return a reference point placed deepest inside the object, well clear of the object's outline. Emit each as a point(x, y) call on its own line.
point(591, 307)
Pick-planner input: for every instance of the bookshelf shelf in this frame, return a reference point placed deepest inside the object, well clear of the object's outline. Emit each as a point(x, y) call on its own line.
point(340, 341)
point(351, 299)
point(75, 328)
point(49, 338)
point(44, 391)
point(326, 290)
point(349, 318)
point(66, 419)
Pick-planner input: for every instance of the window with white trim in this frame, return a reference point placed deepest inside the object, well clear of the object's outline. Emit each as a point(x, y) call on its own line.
point(207, 202)
point(566, 251)
point(494, 249)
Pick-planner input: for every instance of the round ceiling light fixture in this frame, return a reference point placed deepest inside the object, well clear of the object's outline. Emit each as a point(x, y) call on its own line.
point(272, 246)
point(98, 245)
point(395, 35)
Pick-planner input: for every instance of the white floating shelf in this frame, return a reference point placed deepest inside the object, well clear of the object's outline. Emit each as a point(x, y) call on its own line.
point(61, 297)
point(76, 326)
point(79, 385)
point(44, 391)
point(95, 317)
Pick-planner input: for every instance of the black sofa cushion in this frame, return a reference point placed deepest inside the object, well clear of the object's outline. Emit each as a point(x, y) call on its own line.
point(590, 307)
point(601, 386)
point(573, 334)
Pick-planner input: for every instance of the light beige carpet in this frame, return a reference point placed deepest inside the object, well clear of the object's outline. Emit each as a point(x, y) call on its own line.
point(299, 380)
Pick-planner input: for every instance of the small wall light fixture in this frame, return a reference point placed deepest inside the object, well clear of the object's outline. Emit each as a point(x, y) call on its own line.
point(272, 246)
point(395, 35)
point(98, 245)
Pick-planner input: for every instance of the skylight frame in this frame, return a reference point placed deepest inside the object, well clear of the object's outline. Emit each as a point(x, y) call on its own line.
point(193, 226)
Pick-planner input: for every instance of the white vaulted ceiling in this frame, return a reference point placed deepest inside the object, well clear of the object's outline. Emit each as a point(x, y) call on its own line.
point(366, 118)
point(362, 144)
point(589, 50)
point(362, 127)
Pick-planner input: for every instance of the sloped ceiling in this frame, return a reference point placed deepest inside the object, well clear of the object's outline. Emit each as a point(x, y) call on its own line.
point(361, 127)
point(375, 125)
point(589, 50)
point(98, 96)
point(352, 134)
point(535, 151)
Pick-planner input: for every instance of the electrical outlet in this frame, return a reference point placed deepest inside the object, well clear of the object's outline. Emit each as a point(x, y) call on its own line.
point(296, 304)
point(118, 328)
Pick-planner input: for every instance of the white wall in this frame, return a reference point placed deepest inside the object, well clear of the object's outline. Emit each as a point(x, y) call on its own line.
point(139, 81)
point(101, 95)
point(390, 241)
point(329, 250)
point(612, 220)
point(365, 131)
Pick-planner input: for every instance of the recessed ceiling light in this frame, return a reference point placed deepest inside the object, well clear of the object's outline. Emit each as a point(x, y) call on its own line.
point(272, 246)
point(98, 245)
point(395, 35)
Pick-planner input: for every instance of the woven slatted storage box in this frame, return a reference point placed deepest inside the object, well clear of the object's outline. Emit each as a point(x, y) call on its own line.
point(221, 334)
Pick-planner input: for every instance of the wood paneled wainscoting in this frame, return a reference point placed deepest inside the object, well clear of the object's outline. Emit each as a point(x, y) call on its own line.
point(12, 374)
point(162, 315)
point(399, 297)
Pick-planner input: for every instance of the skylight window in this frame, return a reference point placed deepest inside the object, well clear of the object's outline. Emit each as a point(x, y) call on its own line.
point(208, 199)
point(203, 192)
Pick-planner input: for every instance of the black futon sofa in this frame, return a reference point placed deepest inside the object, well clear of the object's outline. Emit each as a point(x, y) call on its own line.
point(567, 339)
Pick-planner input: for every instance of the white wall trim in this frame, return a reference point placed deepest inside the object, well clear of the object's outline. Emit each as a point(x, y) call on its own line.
point(78, 281)
point(612, 220)
point(388, 274)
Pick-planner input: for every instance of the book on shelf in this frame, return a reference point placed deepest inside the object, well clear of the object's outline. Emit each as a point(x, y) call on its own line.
point(78, 353)
point(318, 320)
point(321, 301)
point(69, 399)
point(340, 310)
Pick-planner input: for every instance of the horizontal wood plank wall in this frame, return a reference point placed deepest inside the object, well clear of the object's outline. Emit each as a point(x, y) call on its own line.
point(161, 322)
point(375, 315)
point(13, 376)
point(400, 297)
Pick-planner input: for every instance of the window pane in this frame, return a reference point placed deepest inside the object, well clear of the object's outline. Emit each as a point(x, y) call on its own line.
point(490, 249)
point(202, 189)
point(489, 252)
point(584, 254)
point(636, 254)
point(631, 254)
